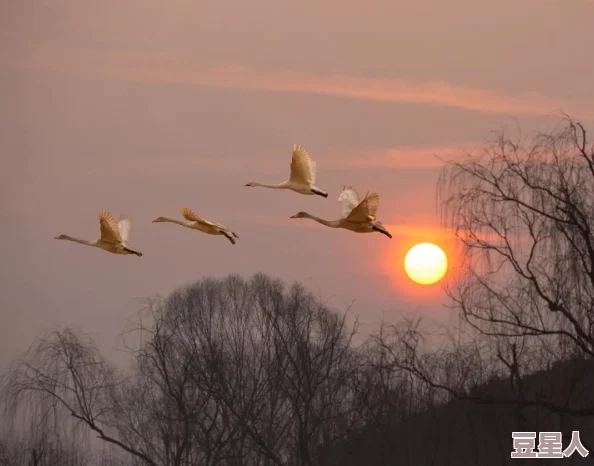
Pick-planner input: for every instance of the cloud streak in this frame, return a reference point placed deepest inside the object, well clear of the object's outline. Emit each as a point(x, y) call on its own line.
point(102, 65)
point(437, 93)
point(399, 157)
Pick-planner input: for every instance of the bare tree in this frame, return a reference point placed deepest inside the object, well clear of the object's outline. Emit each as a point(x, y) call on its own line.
point(65, 373)
point(229, 372)
point(274, 364)
point(313, 353)
point(38, 434)
point(238, 372)
point(522, 211)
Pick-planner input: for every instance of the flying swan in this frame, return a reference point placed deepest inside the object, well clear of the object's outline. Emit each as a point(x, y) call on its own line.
point(196, 222)
point(303, 175)
point(357, 215)
point(114, 236)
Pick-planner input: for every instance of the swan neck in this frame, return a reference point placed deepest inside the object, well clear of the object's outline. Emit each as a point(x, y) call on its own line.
point(265, 185)
point(328, 223)
point(80, 241)
point(172, 220)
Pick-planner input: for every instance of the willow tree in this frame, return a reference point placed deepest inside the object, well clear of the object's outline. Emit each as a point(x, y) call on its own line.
point(522, 212)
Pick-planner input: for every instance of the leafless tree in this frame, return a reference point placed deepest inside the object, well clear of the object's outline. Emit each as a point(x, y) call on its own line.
point(274, 365)
point(523, 213)
point(39, 435)
point(64, 374)
point(238, 372)
point(231, 372)
point(313, 352)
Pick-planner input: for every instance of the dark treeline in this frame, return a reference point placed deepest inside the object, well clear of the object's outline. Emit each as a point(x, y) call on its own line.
point(241, 372)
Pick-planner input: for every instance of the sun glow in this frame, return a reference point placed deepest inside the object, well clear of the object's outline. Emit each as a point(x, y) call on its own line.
point(425, 263)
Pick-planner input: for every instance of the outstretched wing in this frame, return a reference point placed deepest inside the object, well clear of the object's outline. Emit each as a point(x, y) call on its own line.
point(192, 216)
point(312, 169)
point(349, 199)
point(366, 209)
point(110, 232)
point(301, 169)
point(124, 227)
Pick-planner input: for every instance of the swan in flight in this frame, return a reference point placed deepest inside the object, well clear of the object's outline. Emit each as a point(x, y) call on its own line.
point(357, 215)
point(114, 236)
point(195, 222)
point(303, 175)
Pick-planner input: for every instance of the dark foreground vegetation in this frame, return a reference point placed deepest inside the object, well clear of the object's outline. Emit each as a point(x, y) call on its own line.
point(241, 372)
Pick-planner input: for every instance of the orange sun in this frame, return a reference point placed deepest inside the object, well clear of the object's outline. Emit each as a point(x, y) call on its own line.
point(425, 263)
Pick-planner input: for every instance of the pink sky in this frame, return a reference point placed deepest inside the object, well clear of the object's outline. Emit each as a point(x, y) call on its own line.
point(147, 106)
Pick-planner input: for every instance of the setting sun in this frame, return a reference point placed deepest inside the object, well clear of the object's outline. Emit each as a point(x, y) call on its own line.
point(425, 263)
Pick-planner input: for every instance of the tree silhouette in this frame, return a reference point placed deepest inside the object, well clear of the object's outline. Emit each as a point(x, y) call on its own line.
point(230, 372)
point(522, 211)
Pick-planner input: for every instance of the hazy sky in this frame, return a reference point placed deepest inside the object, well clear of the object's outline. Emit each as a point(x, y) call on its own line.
point(147, 106)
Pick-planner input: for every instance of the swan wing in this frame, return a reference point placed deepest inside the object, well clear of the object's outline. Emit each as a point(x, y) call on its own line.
point(301, 171)
point(349, 199)
point(124, 227)
point(312, 168)
point(192, 216)
point(110, 233)
point(366, 209)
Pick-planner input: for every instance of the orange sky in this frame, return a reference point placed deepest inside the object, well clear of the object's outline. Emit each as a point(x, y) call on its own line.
point(147, 106)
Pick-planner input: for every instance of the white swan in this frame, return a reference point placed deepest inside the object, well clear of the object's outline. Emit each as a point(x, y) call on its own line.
point(114, 236)
point(357, 215)
point(195, 222)
point(303, 175)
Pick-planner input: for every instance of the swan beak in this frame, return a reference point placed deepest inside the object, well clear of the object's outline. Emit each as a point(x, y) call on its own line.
point(156, 220)
point(293, 216)
point(249, 184)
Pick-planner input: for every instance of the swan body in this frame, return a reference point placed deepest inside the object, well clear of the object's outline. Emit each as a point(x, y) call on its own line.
point(114, 236)
point(357, 215)
point(303, 175)
point(195, 222)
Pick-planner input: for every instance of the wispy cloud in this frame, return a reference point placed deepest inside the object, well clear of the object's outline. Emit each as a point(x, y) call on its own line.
point(102, 65)
point(398, 157)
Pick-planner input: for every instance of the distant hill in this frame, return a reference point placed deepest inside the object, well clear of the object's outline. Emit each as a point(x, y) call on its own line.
point(469, 433)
